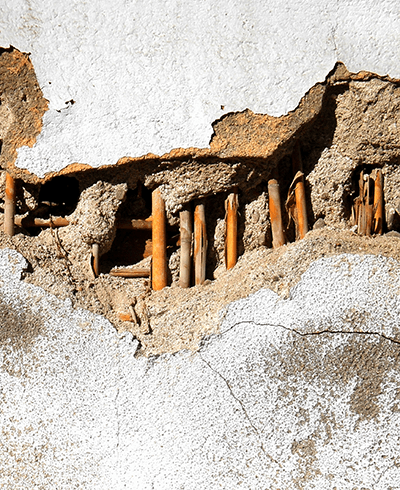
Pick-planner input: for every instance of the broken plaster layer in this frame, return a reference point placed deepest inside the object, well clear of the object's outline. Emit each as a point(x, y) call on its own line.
point(147, 77)
point(273, 402)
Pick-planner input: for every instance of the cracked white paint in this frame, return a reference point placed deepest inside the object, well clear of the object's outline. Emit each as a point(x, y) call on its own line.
point(152, 76)
point(84, 412)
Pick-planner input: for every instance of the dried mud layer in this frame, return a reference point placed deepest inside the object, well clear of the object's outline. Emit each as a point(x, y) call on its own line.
point(344, 126)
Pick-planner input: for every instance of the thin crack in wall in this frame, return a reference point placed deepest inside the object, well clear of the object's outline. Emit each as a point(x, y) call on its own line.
point(243, 408)
point(364, 356)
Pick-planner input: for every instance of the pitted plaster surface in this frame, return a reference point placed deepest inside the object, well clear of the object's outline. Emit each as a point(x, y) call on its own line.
point(129, 78)
point(297, 394)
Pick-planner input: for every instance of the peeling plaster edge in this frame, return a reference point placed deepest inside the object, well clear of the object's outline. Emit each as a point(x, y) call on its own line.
point(338, 74)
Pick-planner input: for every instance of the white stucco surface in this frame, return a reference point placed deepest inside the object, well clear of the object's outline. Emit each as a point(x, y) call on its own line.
point(150, 76)
point(253, 409)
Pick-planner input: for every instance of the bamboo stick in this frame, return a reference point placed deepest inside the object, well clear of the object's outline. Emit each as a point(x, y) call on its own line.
point(275, 212)
point(57, 222)
point(9, 205)
point(186, 248)
point(369, 208)
point(200, 244)
point(134, 224)
point(378, 203)
point(365, 208)
point(96, 259)
point(124, 317)
point(300, 193)
point(29, 222)
point(231, 206)
point(159, 238)
point(130, 272)
point(361, 218)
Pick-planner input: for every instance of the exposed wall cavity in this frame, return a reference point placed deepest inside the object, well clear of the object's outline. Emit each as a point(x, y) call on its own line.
point(345, 125)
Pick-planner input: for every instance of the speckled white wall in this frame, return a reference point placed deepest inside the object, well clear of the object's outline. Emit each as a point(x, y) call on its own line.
point(150, 76)
point(274, 402)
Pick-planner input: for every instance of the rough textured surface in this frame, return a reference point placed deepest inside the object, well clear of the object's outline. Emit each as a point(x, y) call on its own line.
point(359, 129)
point(174, 318)
point(295, 393)
point(342, 126)
point(296, 386)
point(93, 221)
point(22, 104)
point(141, 78)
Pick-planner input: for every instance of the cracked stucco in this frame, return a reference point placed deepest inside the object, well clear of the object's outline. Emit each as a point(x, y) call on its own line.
point(296, 393)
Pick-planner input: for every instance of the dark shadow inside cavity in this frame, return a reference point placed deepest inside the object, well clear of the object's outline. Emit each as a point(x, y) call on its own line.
point(319, 137)
point(137, 203)
point(58, 197)
point(129, 247)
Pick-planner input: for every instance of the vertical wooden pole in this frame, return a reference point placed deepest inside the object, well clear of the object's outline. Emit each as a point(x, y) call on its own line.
point(378, 202)
point(200, 244)
point(159, 238)
point(369, 207)
point(9, 205)
point(186, 248)
point(300, 193)
point(275, 212)
point(365, 207)
point(362, 218)
point(231, 205)
point(96, 259)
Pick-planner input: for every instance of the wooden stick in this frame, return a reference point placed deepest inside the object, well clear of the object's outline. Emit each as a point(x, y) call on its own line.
point(9, 205)
point(135, 224)
point(275, 212)
point(133, 313)
point(361, 219)
point(159, 264)
point(231, 206)
point(365, 214)
point(369, 208)
point(300, 192)
point(57, 222)
point(200, 244)
point(130, 272)
point(96, 259)
point(378, 203)
point(186, 248)
point(29, 222)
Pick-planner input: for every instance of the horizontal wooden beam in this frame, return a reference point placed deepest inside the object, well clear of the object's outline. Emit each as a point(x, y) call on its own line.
point(130, 273)
point(57, 222)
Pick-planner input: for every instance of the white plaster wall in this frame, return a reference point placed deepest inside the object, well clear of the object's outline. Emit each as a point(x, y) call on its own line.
point(150, 76)
point(78, 410)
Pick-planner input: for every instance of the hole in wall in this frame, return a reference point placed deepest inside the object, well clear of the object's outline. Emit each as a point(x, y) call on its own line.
point(137, 203)
point(58, 197)
point(129, 247)
point(200, 179)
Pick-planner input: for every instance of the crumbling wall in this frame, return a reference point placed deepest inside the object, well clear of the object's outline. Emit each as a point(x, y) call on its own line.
point(341, 126)
point(361, 133)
